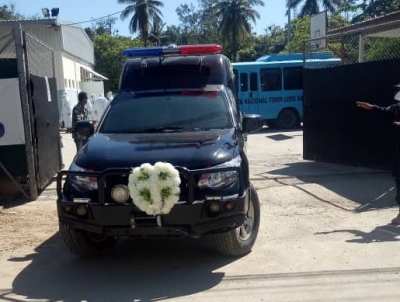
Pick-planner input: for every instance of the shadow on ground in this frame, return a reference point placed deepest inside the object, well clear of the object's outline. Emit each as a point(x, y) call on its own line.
point(140, 270)
point(385, 233)
point(365, 189)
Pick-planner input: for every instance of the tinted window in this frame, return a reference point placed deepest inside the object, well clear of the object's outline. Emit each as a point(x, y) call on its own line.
point(253, 81)
point(271, 79)
point(293, 78)
point(129, 114)
point(236, 75)
point(243, 82)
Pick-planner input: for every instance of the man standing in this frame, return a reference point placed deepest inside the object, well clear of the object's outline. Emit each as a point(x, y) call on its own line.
point(66, 111)
point(79, 113)
point(100, 105)
point(393, 112)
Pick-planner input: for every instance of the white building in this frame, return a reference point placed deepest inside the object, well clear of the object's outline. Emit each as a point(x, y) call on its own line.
point(73, 55)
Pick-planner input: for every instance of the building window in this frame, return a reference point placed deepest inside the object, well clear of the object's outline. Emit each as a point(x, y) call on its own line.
point(66, 83)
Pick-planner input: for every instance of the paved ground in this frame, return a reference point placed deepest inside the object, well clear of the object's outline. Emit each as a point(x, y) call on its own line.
point(324, 236)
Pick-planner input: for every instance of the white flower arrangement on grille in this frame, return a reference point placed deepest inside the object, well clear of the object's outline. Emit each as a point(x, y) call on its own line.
point(154, 189)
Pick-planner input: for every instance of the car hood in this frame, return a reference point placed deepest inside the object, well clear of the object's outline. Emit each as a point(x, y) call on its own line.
point(193, 150)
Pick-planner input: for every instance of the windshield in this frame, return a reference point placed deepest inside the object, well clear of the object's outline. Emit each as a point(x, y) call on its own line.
point(167, 112)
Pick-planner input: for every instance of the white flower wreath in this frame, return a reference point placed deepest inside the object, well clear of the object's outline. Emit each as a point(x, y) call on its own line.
point(154, 189)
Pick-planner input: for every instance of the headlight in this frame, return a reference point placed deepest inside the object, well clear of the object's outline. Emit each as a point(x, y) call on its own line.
point(220, 180)
point(89, 183)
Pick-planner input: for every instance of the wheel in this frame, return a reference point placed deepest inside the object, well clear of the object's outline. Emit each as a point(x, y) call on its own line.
point(288, 119)
point(240, 241)
point(85, 244)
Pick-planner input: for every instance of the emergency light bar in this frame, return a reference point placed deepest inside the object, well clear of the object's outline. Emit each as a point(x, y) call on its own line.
point(198, 49)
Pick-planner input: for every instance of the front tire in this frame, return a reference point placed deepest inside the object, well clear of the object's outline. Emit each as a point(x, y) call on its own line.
point(240, 241)
point(84, 244)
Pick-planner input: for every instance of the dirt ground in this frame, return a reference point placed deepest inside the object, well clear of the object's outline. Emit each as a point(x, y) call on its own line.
point(22, 228)
point(325, 235)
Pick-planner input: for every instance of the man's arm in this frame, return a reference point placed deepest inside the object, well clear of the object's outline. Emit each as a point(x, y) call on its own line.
point(75, 113)
point(392, 111)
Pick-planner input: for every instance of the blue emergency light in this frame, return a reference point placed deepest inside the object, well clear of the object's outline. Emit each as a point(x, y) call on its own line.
point(197, 49)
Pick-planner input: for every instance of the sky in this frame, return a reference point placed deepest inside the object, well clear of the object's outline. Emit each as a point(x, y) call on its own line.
point(72, 11)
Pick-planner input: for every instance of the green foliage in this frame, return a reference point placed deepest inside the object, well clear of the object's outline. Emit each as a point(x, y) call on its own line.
point(311, 7)
point(109, 60)
point(375, 8)
point(235, 21)
point(300, 33)
point(382, 48)
point(8, 13)
point(101, 27)
point(145, 14)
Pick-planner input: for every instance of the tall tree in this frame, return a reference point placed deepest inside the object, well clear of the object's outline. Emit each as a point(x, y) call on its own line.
point(144, 14)
point(235, 17)
point(101, 27)
point(109, 59)
point(376, 8)
point(8, 13)
point(311, 7)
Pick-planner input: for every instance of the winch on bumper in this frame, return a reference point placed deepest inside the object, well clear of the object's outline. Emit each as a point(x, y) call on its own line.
point(197, 213)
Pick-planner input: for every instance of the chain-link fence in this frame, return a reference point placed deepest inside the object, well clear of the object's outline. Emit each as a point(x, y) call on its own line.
point(351, 46)
point(40, 57)
point(8, 64)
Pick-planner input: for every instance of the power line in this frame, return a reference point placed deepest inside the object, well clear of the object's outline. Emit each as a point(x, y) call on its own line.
point(95, 19)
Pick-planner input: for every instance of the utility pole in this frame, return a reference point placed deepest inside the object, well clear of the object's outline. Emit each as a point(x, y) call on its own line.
point(289, 9)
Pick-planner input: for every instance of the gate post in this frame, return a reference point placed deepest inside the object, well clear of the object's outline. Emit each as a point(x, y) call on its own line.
point(26, 113)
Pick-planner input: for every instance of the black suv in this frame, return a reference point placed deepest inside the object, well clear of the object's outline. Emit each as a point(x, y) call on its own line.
point(176, 105)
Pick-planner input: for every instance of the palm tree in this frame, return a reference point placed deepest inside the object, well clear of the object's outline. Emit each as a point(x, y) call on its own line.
point(311, 7)
point(235, 17)
point(157, 33)
point(145, 13)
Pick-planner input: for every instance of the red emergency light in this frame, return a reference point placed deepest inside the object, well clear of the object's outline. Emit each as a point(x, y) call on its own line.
point(197, 49)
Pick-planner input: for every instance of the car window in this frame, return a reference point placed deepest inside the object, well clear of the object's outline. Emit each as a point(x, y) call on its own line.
point(185, 110)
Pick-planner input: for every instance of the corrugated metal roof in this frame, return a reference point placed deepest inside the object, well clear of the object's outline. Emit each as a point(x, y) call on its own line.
point(58, 36)
point(395, 16)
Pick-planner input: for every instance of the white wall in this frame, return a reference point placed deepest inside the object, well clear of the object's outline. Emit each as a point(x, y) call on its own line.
point(93, 87)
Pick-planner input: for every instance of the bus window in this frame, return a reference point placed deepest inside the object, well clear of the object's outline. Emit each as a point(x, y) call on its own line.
point(253, 81)
point(293, 78)
point(271, 79)
point(243, 82)
point(236, 79)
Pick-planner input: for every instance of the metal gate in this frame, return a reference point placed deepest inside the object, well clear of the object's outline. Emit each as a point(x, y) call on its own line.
point(335, 129)
point(30, 145)
point(42, 95)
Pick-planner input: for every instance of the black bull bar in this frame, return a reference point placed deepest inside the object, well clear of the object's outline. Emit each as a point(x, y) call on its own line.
point(188, 175)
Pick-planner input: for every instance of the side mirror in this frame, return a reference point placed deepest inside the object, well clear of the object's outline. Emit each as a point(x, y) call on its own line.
point(84, 129)
point(251, 123)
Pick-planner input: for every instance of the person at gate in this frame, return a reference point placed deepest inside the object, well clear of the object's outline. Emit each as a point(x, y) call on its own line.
point(89, 107)
point(393, 112)
point(66, 111)
point(79, 113)
point(100, 105)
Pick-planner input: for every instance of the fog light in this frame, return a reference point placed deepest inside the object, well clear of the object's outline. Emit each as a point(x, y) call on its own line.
point(81, 210)
point(68, 209)
point(229, 206)
point(120, 193)
point(214, 207)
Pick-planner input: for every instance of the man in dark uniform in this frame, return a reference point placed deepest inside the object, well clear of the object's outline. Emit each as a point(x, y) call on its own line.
point(393, 112)
point(79, 113)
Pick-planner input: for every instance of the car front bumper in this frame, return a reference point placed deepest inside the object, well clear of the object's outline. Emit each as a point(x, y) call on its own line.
point(187, 218)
